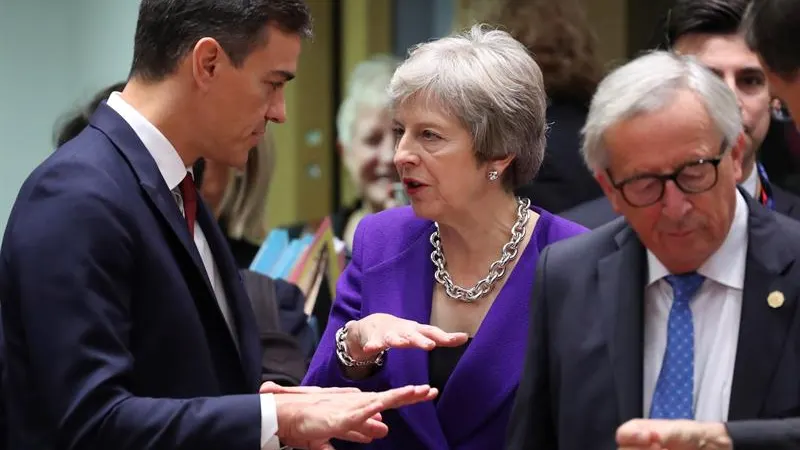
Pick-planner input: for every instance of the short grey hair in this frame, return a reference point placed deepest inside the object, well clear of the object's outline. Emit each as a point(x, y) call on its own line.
point(366, 87)
point(648, 84)
point(490, 83)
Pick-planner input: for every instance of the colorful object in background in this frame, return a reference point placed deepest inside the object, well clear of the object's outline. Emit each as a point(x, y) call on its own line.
point(303, 261)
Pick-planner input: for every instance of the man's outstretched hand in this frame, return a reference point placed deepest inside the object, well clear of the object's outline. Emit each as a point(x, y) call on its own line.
point(657, 434)
point(309, 417)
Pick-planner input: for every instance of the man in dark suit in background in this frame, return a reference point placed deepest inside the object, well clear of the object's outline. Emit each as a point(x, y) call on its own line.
point(772, 31)
point(684, 313)
point(126, 324)
point(710, 30)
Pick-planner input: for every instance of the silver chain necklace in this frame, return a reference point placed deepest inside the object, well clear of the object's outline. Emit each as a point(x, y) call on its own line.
point(496, 271)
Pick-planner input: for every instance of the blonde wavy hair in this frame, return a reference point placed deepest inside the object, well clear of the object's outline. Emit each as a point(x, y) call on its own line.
point(244, 203)
point(558, 34)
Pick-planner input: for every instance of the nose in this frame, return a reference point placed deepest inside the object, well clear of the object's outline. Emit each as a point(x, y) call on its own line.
point(730, 80)
point(276, 108)
point(674, 203)
point(404, 153)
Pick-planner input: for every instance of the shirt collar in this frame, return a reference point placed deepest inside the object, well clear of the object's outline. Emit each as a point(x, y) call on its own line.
point(163, 152)
point(727, 265)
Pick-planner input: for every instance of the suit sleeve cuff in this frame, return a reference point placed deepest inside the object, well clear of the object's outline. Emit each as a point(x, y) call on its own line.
point(269, 423)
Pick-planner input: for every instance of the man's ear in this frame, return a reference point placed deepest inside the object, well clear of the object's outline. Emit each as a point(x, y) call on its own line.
point(608, 188)
point(206, 57)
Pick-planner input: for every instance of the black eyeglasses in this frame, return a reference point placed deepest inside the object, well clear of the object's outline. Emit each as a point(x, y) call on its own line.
point(692, 178)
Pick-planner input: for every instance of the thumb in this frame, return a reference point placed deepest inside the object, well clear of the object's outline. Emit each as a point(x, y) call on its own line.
point(320, 445)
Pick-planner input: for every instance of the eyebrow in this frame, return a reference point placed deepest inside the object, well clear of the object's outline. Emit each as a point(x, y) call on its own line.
point(426, 124)
point(752, 70)
point(749, 70)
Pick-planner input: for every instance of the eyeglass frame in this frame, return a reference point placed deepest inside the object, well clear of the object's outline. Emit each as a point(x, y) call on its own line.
point(663, 178)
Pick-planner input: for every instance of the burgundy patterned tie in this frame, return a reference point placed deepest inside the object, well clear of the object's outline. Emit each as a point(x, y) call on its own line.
point(189, 194)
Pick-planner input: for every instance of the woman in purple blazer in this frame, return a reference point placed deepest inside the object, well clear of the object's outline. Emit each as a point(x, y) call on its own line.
point(439, 292)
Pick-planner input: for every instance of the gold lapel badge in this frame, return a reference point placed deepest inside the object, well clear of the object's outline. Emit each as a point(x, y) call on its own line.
point(775, 299)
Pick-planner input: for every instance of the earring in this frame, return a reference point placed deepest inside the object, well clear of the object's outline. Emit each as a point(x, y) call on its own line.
point(493, 175)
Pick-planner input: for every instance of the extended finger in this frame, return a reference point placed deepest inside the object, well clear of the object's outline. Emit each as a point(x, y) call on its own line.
point(369, 427)
point(272, 388)
point(338, 390)
point(441, 337)
point(396, 398)
point(355, 436)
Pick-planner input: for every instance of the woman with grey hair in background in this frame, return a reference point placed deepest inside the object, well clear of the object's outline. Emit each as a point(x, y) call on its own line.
point(439, 292)
point(366, 144)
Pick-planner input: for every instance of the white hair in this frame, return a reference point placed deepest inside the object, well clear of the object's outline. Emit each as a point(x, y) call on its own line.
point(366, 87)
point(488, 81)
point(648, 84)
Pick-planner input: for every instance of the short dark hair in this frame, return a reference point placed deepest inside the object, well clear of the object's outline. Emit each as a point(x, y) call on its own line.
point(772, 29)
point(703, 16)
point(167, 30)
point(71, 125)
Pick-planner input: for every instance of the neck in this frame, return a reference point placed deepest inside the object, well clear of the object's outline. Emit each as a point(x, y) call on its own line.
point(474, 239)
point(748, 166)
point(161, 104)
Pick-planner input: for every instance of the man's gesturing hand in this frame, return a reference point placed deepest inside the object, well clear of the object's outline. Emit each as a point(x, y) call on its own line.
point(655, 434)
point(311, 418)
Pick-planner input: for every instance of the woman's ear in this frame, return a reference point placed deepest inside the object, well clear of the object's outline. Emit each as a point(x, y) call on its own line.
point(500, 165)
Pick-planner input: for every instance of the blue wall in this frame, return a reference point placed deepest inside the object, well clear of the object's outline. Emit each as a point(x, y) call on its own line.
point(54, 55)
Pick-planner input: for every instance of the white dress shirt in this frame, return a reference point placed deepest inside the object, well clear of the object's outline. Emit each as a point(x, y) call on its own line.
point(716, 310)
point(173, 171)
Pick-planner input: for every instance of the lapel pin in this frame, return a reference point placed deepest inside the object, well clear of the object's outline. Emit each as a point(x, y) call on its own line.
point(775, 299)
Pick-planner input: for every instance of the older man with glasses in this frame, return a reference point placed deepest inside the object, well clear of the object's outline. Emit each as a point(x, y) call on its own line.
point(684, 312)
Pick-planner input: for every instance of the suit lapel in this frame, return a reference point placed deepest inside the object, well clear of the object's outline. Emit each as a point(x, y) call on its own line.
point(144, 166)
point(238, 301)
point(621, 278)
point(491, 367)
point(763, 330)
point(405, 290)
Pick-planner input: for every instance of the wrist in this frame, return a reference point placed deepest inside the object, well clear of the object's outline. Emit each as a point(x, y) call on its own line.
point(715, 437)
point(347, 357)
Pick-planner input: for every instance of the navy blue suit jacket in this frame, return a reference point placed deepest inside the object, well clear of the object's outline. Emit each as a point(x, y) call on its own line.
point(114, 338)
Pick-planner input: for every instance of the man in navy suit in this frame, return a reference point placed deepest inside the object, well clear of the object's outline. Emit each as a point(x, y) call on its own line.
point(675, 328)
point(126, 324)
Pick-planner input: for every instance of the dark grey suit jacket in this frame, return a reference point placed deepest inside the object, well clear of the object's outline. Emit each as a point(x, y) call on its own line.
point(583, 372)
point(282, 360)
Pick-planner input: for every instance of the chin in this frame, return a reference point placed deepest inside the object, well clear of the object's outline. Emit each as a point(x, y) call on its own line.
point(237, 160)
point(424, 210)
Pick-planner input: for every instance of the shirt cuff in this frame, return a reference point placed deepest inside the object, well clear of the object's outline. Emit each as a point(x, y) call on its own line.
point(269, 423)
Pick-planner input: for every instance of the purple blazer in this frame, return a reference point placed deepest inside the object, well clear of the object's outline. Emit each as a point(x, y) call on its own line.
point(391, 272)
